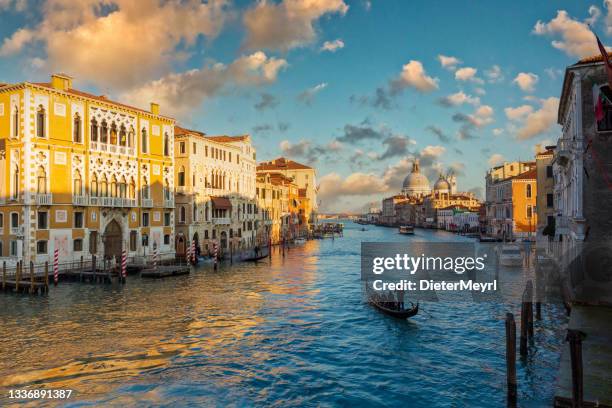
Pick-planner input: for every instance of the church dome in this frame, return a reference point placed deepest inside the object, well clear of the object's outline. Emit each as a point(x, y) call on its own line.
point(442, 185)
point(415, 183)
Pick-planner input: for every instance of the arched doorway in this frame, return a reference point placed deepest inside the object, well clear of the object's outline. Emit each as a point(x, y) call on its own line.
point(223, 240)
point(113, 240)
point(180, 245)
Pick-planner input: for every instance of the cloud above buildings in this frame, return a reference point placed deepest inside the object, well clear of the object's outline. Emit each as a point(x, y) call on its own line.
point(439, 133)
point(539, 121)
point(495, 159)
point(266, 101)
point(526, 81)
point(105, 44)
point(571, 36)
point(413, 75)
point(449, 62)
point(179, 93)
point(287, 24)
point(308, 95)
point(459, 98)
point(332, 46)
point(467, 74)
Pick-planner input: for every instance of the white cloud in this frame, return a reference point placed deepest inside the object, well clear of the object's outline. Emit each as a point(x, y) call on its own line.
point(111, 48)
point(576, 38)
point(467, 74)
point(332, 46)
point(459, 98)
point(494, 74)
point(333, 187)
point(519, 112)
point(433, 151)
point(483, 115)
point(608, 20)
point(594, 14)
point(448, 62)
point(526, 81)
point(539, 121)
point(495, 159)
point(413, 75)
point(308, 95)
point(179, 93)
point(288, 24)
point(498, 131)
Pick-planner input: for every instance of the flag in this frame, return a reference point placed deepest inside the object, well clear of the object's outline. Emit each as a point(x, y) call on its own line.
point(606, 60)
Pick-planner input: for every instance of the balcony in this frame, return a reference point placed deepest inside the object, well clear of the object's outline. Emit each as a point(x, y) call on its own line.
point(147, 202)
point(110, 148)
point(17, 230)
point(563, 152)
point(222, 221)
point(181, 190)
point(43, 199)
point(119, 202)
point(80, 200)
point(169, 203)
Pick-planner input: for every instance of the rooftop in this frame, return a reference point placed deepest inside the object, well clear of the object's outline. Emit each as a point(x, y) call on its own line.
point(528, 175)
point(178, 130)
point(282, 163)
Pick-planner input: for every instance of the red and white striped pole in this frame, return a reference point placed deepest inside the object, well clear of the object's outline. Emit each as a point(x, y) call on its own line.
point(188, 254)
point(215, 253)
point(193, 252)
point(124, 264)
point(155, 258)
point(55, 266)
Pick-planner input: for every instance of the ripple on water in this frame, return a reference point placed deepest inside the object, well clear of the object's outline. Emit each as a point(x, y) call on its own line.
point(292, 331)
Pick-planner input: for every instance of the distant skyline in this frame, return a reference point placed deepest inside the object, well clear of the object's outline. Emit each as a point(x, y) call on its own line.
point(357, 89)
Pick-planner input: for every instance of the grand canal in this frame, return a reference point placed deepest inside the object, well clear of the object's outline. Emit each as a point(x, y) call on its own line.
point(292, 331)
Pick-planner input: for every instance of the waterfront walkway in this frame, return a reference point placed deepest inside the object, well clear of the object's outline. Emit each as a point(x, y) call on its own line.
point(596, 323)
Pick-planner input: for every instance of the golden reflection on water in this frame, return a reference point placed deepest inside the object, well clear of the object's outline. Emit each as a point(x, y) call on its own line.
point(93, 342)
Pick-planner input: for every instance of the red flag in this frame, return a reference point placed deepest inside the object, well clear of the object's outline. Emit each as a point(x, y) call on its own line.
point(606, 60)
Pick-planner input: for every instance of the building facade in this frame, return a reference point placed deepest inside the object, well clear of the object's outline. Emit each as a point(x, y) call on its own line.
point(82, 174)
point(545, 191)
point(215, 192)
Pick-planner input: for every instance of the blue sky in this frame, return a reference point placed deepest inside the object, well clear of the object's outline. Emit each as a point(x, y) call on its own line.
point(261, 68)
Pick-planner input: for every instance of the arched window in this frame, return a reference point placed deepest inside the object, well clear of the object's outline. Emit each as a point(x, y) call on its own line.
point(16, 122)
point(528, 192)
point(166, 145)
point(113, 134)
point(15, 182)
point(94, 185)
point(145, 188)
point(40, 121)
point(78, 184)
point(131, 137)
point(104, 132)
point(144, 141)
point(41, 177)
point(122, 136)
point(181, 177)
point(77, 128)
point(104, 186)
point(123, 188)
point(114, 187)
point(94, 131)
point(132, 188)
point(182, 215)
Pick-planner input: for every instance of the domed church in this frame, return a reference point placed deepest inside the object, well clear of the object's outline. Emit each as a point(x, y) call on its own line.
point(415, 184)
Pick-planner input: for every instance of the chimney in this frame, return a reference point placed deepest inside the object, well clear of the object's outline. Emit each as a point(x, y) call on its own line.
point(155, 108)
point(61, 82)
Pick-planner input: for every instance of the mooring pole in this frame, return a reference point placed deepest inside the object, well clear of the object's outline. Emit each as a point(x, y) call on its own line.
point(524, 318)
point(31, 277)
point(47, 276)
point(529, 294)
point(575, 339)
point(17, 276)
point(511, 359)
point(3, 275)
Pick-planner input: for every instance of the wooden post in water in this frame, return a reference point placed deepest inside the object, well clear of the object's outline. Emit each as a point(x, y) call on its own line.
point(3, 275)
point(529, 303)
point(31, 277)
point(524, 318)
point(511, 359)
point(231, 253)
point(575, 339)
point(17, 276)
point(47, 276)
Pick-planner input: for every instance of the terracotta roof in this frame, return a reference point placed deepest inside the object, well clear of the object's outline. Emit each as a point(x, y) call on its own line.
point(546, 153)
point(591, 59)
point(227, 139)
point(100, 98)
point(282, 164)
point(528, 175)
point(183, 131)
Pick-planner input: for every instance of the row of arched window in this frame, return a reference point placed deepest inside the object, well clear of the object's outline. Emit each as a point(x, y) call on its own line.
point(103, 187)
point(113, 134)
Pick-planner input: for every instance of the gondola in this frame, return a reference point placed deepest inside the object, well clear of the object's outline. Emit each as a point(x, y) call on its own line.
point(254, 258)
point(401, 314)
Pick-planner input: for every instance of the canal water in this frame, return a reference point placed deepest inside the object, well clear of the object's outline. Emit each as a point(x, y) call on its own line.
point(293, 331)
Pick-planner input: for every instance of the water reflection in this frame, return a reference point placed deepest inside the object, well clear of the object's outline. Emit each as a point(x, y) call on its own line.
point(288, 331)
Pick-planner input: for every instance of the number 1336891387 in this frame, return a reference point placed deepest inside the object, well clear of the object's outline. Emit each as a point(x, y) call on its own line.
point(39, 394)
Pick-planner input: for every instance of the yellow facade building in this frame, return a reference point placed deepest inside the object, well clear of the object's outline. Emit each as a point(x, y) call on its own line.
point(82, 174)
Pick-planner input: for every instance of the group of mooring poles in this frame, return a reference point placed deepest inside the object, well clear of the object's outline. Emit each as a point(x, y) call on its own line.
point(21, 283)
point(574, 337)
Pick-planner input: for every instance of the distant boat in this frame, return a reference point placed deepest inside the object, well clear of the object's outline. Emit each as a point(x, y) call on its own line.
point(300, 240)
point(406, 230)
point(399, 313)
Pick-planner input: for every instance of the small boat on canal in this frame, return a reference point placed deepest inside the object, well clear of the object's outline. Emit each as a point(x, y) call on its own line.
point(391, 309)
point(406, 230)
